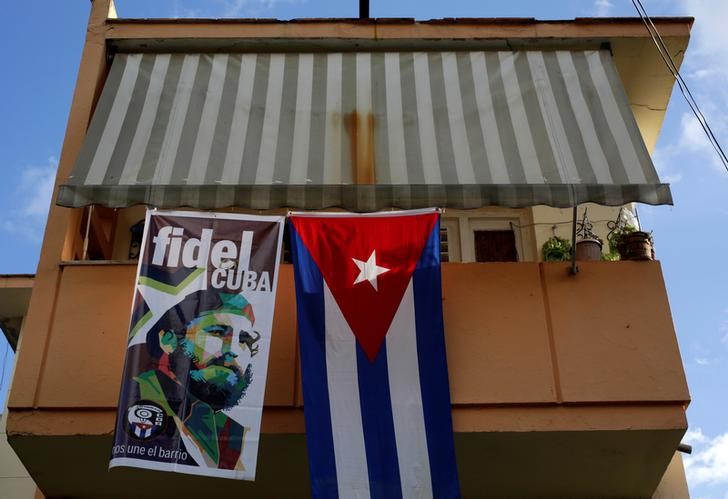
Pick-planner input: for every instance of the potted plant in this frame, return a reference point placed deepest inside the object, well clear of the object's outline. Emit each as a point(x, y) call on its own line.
point(631, 244)
point(636, 245)
point(589, 249)
point(556, 249)
point(589, 245)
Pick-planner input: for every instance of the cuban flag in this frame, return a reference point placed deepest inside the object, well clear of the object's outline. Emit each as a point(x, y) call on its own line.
point(375, 385)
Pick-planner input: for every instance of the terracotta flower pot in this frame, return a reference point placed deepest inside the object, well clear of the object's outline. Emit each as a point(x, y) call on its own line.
point(589, 250)
point(636, 246)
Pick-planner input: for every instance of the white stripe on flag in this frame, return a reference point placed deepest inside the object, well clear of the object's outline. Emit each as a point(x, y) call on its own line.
point(346, 426)
point(404, 387)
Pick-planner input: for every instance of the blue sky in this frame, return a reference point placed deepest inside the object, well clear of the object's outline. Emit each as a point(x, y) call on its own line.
point(45, 43)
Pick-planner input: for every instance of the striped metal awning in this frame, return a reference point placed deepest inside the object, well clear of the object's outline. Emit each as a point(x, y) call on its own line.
point(363, 131)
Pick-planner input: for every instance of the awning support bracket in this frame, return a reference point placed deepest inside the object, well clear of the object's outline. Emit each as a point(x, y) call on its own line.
point(573, 269)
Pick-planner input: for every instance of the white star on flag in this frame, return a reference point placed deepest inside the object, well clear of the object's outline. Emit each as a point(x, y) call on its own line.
point(369, 270)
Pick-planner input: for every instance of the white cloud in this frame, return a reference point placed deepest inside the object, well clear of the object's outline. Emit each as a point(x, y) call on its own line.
point(257, 6)
point(37, 186)
point(694, 437)
point(707, 76)
point(702, 74)
point(662, 157)
point(230, 8)
point(702, 361)
point(240, 8)
point(723, 327)
point(603, 7)
point(226, 8)
point(709, 36)
point(708, 465)
point(182, 11)
point(237, 8)
point(31, 199)
point(693, 138)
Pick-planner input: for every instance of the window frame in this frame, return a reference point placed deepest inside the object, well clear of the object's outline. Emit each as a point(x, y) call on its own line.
point(461, 226)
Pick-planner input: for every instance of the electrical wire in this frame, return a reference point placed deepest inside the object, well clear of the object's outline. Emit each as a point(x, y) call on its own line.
point(682, 85)
point(525, 226)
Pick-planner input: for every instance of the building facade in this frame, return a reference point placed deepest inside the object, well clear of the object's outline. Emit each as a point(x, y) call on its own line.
point(562, 385)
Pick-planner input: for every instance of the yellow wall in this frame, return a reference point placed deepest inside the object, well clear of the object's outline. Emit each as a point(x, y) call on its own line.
point(673, 484)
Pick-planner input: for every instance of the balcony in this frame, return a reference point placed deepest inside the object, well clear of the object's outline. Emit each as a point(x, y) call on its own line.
point(574, 382)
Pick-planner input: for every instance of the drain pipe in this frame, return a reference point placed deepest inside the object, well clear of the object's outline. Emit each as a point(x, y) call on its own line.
point(363, 9)
point(685, 448)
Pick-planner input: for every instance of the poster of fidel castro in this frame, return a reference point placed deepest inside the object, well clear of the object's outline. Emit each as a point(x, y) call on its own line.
point(191, 398)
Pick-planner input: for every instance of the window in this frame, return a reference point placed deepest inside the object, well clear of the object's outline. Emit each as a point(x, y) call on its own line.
point(495, 246)
point(449, 240)
point(486, 235)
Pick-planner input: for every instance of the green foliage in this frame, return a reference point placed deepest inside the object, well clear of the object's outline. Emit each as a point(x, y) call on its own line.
point(612, 255)
point(556, 249)
point(615, 239)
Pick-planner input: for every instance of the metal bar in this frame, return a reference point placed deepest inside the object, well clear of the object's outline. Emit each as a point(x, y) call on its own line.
point(363, 9)
point(89, 214)
point(573, 269)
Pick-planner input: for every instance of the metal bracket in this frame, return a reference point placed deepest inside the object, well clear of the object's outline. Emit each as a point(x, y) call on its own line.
point(573, 269)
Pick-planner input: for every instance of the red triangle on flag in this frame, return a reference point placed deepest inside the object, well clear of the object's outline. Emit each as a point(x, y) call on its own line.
point(367, 263)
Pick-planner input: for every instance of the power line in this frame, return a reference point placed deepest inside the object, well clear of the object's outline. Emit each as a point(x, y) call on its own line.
point(682, 85)
point(684, 89)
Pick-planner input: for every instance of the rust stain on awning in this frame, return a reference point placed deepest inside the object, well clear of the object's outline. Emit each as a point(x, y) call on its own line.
point(360, 128)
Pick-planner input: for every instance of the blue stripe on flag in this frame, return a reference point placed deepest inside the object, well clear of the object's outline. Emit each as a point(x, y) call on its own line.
point(433, 370)
point(378, 425)
point(311, 332)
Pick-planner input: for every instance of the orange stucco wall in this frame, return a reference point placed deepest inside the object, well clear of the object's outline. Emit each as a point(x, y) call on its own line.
point(525, 341)
point(520, 337)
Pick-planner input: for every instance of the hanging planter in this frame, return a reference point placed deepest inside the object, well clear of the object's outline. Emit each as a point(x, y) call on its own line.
point(589, 245)
point(626, 242)
point(556, 249)
point(589, 250)
point(635, 245)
